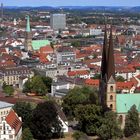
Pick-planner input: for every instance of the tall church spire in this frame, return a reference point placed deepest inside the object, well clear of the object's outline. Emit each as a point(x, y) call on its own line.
point(28, 29)
point(103, 80)
point(110, 60)
point(104, 56)
point(107, 89)
point(28, 36)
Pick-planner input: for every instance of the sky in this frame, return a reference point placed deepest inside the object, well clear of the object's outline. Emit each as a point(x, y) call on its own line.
point(70, 2)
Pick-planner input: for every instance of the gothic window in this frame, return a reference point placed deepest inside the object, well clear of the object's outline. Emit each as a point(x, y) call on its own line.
point(111, 106)
point(111, 97)
point(111, 88)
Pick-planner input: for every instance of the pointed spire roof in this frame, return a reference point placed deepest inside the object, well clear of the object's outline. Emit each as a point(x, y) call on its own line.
point(104, 55)
point(28, 29)
point(111, 64)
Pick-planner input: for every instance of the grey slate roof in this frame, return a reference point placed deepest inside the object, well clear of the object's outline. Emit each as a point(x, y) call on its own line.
point(5, 104)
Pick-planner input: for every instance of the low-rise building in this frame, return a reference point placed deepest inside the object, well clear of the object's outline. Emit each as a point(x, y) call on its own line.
point(10, 123)
point(66, 55)
point(59, 89)
point(11, 75)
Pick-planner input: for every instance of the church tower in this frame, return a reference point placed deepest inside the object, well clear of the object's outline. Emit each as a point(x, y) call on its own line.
point(28, 36)
point(107, 82)
point(103, 80)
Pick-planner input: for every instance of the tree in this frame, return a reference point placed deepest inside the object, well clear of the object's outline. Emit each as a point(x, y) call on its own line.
point(132, 122)
point(97, 76)
point(89, 118)
point(120, 79)
point(27, 135)
point(27, 86)
point(77, 96)
point(24, 110)
point(76, 44)
point(109, 128)
point(38, 86)
point(45, 122)
point(35, 85)
point(4, 85)
point(48, 82)
point(9, 90)
point(77, 135)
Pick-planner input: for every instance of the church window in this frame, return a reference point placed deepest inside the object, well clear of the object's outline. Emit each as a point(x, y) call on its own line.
point(111, 106)
point(111, 97)
point(111, 88)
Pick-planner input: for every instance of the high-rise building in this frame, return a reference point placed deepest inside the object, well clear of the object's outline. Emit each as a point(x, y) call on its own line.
point(1, 11)
point(58, 21)
point(28, 36)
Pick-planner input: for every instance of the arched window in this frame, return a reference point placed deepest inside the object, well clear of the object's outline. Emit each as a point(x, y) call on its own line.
point(111, 97)
point(111, 106)
point(111, 88)
point(120, 119)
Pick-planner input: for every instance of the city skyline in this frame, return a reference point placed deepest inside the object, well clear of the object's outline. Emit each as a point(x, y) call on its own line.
point(55, 3)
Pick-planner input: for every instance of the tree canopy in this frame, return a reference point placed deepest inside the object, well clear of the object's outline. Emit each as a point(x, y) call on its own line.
point(78, 135)
point(132, 122)
point(89, 118)
point(27, 135)
point(45, 122)
point(35, 85)
point(8, 90)
point(120, 79)
point(109, 128)
point(24, 110)
point(77, 96)
point(48, 82)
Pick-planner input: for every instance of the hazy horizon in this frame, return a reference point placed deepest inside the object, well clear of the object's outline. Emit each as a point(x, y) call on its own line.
point(55, 3)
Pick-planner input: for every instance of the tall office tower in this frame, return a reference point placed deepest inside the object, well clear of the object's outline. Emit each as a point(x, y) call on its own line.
point(28, 36)
point(1, 11)
point(58, 21)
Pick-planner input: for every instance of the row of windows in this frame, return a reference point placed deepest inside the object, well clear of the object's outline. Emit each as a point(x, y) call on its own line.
point(7, 128)
point(10, 137)
point(12, 77)
point(4, 112)
point(17, 72)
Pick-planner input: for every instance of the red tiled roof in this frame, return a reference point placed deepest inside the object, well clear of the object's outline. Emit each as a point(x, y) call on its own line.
point(90, 61)
point(92, 82)
point(2, 50)
point(125, 69)
point(46, 49)
point(124, 85)
point(80, 72)
point(136, 38)
point(81, 55)
point(13, 120)
point(121, 39)
point(135, 82)
point(138, 76)
point(7, 63)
